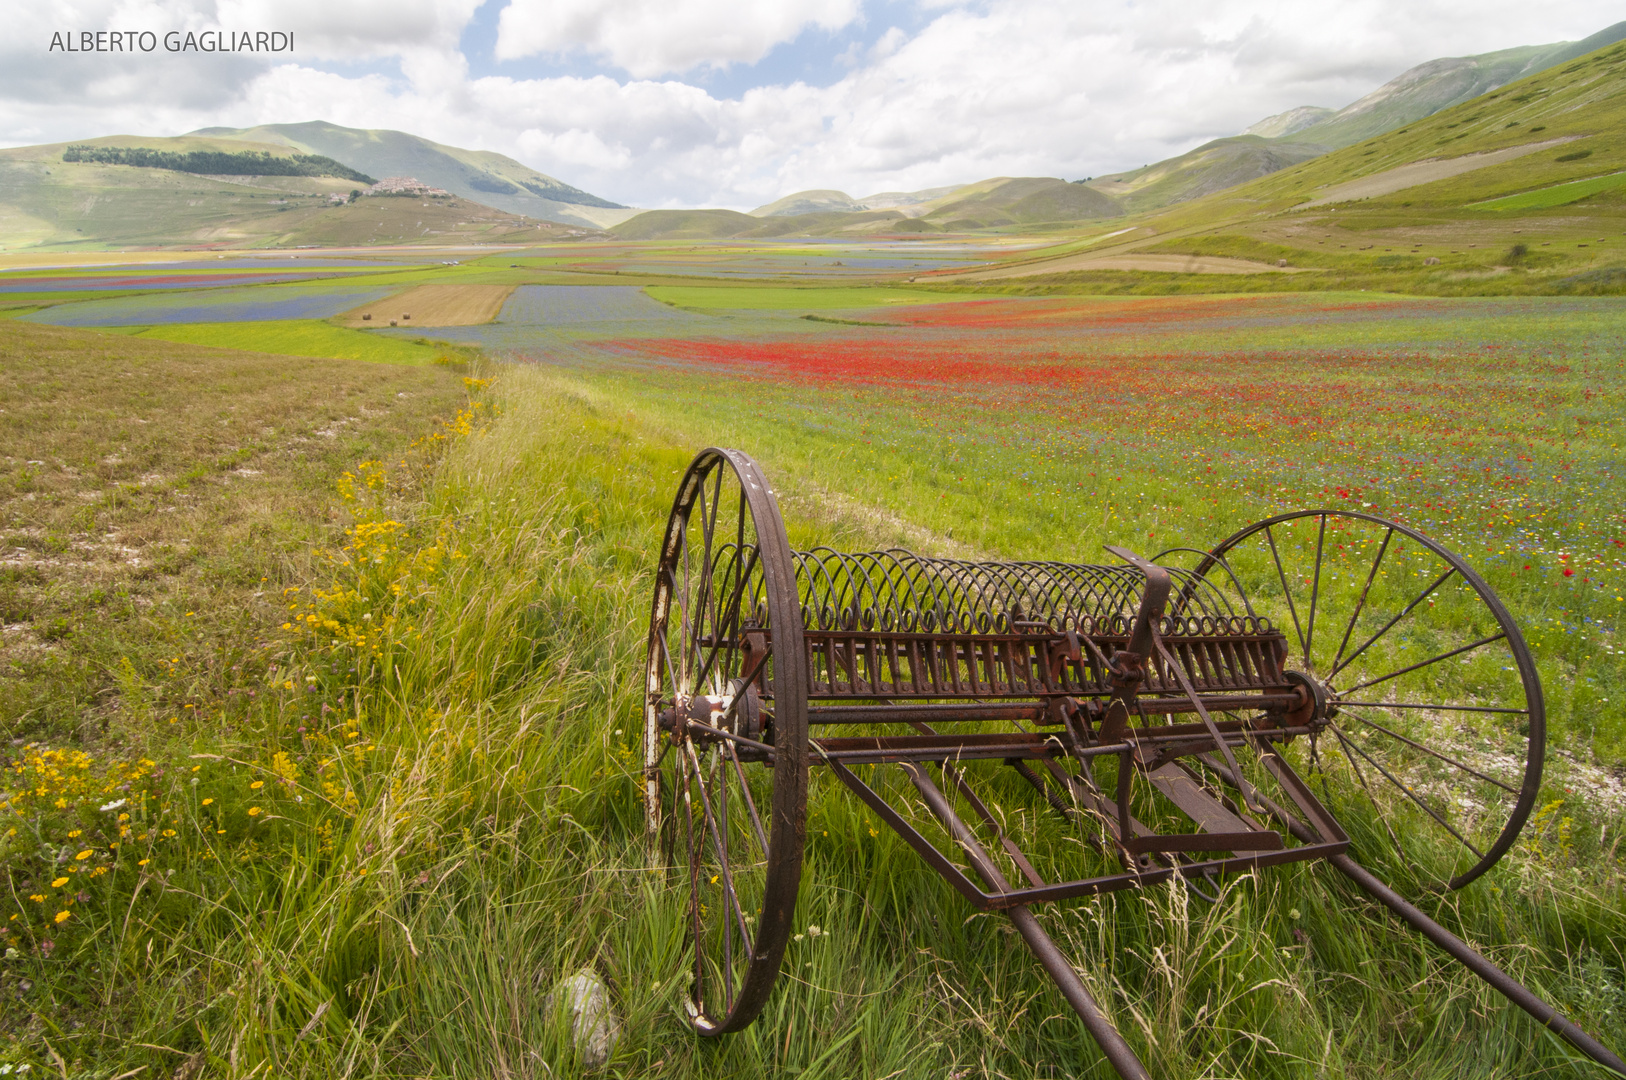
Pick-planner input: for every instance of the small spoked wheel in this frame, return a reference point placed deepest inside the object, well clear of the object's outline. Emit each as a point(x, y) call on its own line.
point(725, 732)
point(1432, 726)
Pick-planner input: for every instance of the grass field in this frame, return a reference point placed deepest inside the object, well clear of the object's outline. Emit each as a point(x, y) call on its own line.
point(325, 712)
point(1557, 195)
point(297, 337)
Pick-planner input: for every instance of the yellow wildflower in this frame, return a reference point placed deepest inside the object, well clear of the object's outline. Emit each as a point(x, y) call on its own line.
point(253, 811)
point(206, 802)
point(257, 785)
point(85, 854)
point(62, 916)
point(59, 882)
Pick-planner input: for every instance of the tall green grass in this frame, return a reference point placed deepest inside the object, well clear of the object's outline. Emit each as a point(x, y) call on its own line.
point(459, 829)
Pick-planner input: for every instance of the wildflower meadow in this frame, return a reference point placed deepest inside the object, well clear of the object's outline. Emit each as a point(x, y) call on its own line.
point(408, 808)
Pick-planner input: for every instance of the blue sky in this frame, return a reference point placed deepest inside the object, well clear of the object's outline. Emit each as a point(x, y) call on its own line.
point(714, 103)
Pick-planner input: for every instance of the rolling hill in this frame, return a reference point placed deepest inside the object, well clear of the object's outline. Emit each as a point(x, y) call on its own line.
point(1298, 134)
point(478, 175)
point(1000, 201)
point(93, 204)
point(1522, 188)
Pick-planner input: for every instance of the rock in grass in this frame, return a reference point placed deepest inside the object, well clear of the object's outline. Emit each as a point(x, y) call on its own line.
point(593, 1023)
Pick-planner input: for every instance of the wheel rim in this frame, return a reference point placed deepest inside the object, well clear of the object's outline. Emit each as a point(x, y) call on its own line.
point(1434, 716)
point(725, 651)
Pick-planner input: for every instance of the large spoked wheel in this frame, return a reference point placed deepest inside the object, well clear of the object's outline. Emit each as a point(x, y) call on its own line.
point(725, 732)
point(1430, 709)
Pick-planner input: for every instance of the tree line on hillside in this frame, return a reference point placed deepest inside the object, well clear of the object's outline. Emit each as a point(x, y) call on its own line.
point(216, 162)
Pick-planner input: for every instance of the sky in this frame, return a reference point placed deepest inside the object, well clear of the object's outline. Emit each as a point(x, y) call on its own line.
point(667, 103)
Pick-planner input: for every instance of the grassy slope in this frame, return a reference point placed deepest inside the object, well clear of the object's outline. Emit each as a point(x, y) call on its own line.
point(1368, 244)
point(479, 175)
point(1214, 166)
point(1412, 96)
point(60, 205)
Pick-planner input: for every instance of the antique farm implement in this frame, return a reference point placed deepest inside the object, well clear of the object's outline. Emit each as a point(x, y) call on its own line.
point(1159, 715)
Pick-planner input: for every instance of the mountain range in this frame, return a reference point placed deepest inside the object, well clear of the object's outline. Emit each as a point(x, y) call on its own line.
point(281, 185)
point(478, 175)
point(1272, 144)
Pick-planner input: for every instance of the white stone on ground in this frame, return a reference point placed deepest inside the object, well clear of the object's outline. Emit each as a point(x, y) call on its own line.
point(593, 1023)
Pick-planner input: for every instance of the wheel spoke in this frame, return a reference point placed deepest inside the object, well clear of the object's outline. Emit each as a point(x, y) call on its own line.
point(666, 654)
point(1425, 663)
point(750, 803)
point(1287, 590)
point(1446, 708)
point(732, 628)
point(1407, 610)
point(1470, 770)
point(684, 625)
point(1360, 603)
point(694, 886)
point(1315, 592)
point(1427, 809)
point(719, 844)
point(1344, 744)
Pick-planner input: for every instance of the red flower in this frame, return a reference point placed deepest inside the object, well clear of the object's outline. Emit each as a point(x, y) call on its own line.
point(1568, 572)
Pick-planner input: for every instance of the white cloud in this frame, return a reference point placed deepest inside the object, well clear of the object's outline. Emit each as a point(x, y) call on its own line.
point(647, 38)
point(1006, 87)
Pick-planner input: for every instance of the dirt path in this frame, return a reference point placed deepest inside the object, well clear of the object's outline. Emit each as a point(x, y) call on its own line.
point(1425, 172)
point(433, 305)
point(1169, 264)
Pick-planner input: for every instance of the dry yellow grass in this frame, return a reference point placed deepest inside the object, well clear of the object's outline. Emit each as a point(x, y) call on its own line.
point(1426, 172)
point(432, 305)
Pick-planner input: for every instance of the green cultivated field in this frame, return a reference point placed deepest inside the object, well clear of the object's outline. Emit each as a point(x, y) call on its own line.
point(321, 677)
point(297, 337)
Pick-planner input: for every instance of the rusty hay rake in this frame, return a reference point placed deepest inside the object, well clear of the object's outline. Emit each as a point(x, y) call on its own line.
point(1042, 731)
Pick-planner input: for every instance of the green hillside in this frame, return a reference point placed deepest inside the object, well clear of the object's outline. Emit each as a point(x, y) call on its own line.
point(121, 191)
point(995, 203)
point(1516, 190)
point(1008, 201)
point(809, 202)
point(1299, 134)
point(217, 163)
point(479, 175)
point(1213, 166)
point(685, 225)
point(95, 204)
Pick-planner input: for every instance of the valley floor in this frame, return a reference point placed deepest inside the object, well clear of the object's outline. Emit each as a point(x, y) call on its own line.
point(322, 677)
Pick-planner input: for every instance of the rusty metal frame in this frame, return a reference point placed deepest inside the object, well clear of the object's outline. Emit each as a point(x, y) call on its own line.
point(1075, 662)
